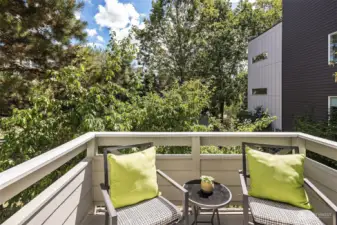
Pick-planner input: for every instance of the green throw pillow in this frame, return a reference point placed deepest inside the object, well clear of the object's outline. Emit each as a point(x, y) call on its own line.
point(278, 178)
point(133, 177)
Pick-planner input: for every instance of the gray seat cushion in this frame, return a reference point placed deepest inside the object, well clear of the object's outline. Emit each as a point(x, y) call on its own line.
point(277, 213)
point(150, 212)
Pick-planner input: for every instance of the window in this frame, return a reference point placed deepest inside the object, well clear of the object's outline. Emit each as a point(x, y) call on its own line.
point(332, 106)
point(259, 91)
point(260, 57)
point(333, 48)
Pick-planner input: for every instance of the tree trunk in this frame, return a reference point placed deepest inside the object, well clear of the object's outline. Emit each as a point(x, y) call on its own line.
point(222, 111)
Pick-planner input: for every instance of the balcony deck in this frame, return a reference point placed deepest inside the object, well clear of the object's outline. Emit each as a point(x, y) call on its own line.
point(225, 219)
point(72, 198)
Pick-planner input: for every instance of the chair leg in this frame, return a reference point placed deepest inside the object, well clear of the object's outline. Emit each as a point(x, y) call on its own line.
point(107, 219)
point(185, 209)
point(245, 210)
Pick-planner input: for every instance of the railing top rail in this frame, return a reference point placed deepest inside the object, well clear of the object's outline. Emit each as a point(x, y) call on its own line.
point(308, 137)
point(197, 134)
point(20, 171)
point(318, 140)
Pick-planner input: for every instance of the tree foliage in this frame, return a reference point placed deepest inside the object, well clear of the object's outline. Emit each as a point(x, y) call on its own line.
point(326, 128)
point(35, 36)
point(168, 41)
point(120, 56)
point(177, 109)
point(321, 128)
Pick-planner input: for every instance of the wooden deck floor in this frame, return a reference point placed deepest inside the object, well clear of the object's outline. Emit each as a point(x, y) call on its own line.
point(225, 219)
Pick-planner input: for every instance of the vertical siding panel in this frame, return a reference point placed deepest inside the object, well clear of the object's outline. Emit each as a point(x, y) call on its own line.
point(307, 79)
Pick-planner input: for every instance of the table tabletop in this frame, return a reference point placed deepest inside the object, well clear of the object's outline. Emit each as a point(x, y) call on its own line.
point(220, 196)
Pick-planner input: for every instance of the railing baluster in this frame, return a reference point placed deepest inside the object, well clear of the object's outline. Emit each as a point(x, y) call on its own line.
point(196, 155)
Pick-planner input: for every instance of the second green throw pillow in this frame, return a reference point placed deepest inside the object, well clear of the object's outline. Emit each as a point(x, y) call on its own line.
point(277, 177)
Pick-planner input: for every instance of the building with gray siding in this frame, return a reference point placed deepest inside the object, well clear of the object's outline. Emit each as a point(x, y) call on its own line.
point(304, 84)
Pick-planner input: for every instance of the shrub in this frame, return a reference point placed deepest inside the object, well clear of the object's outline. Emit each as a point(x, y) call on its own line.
point(320, 128)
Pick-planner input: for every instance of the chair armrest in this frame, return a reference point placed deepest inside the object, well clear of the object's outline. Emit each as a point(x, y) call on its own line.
point(321, 195)
point(110, 208)
point(243, 184)
point(245, 198)
point(182, 189)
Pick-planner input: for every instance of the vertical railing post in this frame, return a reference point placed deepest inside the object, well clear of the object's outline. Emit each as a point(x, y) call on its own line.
point(196, 155)
point(92, 148)
point(300, 143)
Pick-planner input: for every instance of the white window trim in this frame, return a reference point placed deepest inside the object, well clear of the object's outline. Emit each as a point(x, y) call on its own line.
point(265, 54)
point(329, 46)
point(259, 94)
point(329, 100)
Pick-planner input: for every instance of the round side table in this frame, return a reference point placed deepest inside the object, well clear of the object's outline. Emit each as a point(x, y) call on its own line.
point(220, 197)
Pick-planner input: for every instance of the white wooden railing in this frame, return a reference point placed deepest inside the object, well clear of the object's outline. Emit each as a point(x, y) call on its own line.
point(72, 196)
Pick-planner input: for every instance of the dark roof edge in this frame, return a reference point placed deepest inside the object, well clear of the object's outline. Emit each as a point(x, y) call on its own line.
point(254, 37)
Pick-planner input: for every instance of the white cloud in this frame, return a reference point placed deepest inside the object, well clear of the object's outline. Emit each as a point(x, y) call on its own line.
point(100, 38)
point(78, 15)
point(118, 17)
point(91, 32)
point(122, 33)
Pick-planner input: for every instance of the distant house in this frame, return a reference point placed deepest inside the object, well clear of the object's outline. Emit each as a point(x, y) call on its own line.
point(290, 65)
point(265, 73)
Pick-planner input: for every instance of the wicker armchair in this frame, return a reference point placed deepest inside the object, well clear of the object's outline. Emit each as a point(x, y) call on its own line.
point(276, 213)
point(153, 211)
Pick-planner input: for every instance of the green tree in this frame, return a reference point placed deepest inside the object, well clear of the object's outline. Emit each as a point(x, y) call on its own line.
point(168, 43)
point(34, 36)
point(73, 101)
point(176, 109)
point(255, 18)
point(223, 53)
point(267, 13)
point(118, 65)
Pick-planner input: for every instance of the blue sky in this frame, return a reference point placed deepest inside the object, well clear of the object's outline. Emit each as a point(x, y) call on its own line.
point(118, 15)
point(105, 15)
